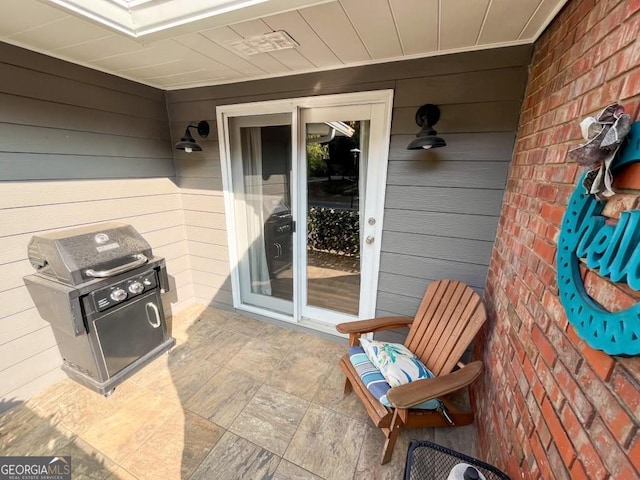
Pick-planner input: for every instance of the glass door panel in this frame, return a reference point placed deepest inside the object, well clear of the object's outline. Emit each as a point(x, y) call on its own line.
point(261, 156)
point(304, 196)
point(336, 160)
point(334, 168)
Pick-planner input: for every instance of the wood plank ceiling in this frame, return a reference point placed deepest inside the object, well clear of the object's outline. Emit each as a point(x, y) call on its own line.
point(330, 34)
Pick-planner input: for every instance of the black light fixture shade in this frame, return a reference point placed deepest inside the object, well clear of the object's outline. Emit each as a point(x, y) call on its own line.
point(426, 117)
point(187, 143)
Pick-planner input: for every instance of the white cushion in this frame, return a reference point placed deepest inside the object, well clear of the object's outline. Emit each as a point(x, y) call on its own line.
point(396, 362)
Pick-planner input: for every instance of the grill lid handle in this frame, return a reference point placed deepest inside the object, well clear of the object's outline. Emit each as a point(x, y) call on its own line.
point(140, 259)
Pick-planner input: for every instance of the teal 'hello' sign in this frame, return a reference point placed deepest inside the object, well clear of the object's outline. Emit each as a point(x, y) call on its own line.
point(614, 250)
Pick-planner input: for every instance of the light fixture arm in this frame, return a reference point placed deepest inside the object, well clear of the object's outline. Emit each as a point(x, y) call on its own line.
point(202, 128)
point(426, 117)
point(187, 142)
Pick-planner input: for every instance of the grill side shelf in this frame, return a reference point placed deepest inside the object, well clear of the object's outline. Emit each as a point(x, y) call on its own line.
point(57, 304)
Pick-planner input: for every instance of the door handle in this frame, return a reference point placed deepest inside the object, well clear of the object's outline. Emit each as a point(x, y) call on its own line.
point(370, 239)
point(153, 307)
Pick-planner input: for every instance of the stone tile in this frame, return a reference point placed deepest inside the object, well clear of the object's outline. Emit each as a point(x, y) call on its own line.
point(327, 443)
point(180, 324)
point(270, 419)
point(175, 449)
point(162, 383)
point(143, 428)
point(289, 471)
point(461, 439)
point(427, 433)
point(299, 374)
point(323, 350)
point(223, 397)
point(80, 408)
point(257, 360)
point(191, 365)
point(331, 395)
point(150, 370)
point(206, 344)
point(50, 397)
point(368, 465)
point(288, 338)
point(121, 474)
point(218, 345)
point(234, 458)
point(185, 382)
point(23, 431)
point(121, 433)
point(86, 462)
point(230, 321)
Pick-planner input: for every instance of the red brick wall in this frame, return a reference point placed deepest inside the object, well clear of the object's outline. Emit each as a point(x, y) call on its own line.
point(549, 406)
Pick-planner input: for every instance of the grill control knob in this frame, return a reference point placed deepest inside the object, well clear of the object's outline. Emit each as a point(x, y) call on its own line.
point(136, 287)
point(118, 294)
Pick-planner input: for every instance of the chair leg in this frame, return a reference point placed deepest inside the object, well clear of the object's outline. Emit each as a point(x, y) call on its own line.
point(347, 386)
point(392, 436)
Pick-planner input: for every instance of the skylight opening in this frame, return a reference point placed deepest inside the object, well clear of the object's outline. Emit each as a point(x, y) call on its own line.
point(130, 3)
point(137, 18)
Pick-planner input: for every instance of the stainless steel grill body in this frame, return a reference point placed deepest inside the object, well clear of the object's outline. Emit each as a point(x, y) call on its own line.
point(100, 288)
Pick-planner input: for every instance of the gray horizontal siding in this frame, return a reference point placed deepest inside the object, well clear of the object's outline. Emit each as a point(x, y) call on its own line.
point(29, 83)
point(442, 206)
point(461, 147)
point(429, 269)
point(359, 77)
point(475, 201)
point(433, 246)
point(458, 226)
point(44, 166)
point(76, 147)
point(496, 117)
point(20, 110)
point(452, 174)
point(199, 177)
point(16, 56)
point(487, 85)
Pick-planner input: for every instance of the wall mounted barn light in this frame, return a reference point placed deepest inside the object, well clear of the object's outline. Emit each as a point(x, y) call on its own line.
point(187, 143)
point(426, 117)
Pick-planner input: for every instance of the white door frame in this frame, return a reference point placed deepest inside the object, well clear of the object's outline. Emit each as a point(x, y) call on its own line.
point(382, 102)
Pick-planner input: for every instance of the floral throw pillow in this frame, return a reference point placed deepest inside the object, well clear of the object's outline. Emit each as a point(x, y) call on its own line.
point(395, 361)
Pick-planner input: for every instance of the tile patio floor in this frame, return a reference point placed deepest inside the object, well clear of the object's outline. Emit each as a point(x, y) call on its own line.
point(236, 399)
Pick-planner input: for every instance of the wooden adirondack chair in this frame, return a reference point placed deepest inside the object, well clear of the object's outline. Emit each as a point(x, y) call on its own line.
point(449, 317)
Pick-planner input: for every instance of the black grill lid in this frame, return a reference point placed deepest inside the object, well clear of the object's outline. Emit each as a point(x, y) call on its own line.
point(76, 255)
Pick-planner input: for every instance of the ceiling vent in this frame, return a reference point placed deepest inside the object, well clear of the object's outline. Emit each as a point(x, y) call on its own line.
point(269, 42)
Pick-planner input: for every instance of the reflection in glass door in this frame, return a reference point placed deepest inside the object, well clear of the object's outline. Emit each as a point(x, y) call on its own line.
point(261, 154)
point(336, 157)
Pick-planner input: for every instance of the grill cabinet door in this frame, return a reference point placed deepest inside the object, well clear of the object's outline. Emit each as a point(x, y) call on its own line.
point(130, 331)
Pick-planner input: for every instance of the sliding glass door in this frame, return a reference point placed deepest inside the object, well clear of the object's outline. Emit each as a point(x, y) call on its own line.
point(261, 165)
point(304, 196)
point(333, 171)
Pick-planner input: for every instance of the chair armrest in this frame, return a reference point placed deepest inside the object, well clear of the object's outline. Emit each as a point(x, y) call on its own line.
point(374, 324)
point(418, 391)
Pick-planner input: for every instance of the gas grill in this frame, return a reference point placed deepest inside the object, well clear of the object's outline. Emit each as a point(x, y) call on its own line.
point(99, 287)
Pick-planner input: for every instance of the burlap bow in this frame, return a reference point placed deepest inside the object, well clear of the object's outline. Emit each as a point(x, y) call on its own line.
point(604, 134)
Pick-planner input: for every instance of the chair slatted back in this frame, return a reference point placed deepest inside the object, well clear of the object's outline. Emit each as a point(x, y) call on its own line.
point(449, 317)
